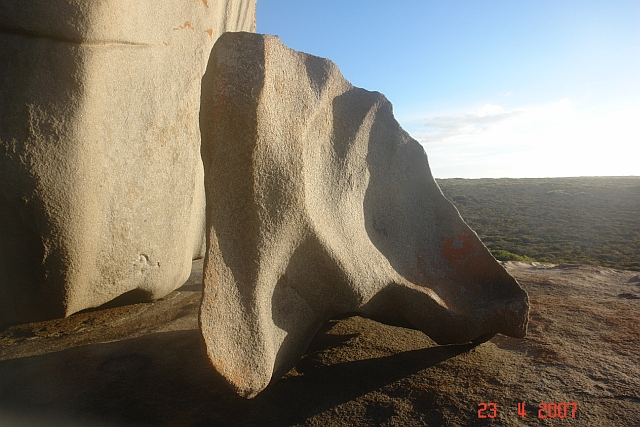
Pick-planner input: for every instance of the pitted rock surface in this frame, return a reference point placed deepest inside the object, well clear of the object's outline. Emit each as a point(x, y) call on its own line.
point(319, 204)
point(101, 179)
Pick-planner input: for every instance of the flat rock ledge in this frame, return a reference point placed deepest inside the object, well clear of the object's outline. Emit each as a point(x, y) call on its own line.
point(143, 365)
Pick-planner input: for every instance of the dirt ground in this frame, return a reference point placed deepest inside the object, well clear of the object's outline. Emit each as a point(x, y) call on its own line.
point(143, 365)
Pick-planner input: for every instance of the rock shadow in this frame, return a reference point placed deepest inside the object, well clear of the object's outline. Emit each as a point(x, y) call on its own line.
point(165, 379)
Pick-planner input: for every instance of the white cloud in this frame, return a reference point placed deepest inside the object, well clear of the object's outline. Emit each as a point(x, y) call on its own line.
point(547, 140)
point(490, 110)
point(444, 128)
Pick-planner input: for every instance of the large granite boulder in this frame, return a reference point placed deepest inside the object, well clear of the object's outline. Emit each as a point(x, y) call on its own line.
point(101, 180)
point(319, 204)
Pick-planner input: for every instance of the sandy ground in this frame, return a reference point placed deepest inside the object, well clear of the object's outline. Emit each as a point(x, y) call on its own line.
point(142, 365)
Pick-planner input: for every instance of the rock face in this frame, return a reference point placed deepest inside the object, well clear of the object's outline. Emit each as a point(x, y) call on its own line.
point(101, 180)
point(319, 204)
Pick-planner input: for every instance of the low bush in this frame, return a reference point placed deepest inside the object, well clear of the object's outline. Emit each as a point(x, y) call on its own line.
point(508, 256)
point(588, 220)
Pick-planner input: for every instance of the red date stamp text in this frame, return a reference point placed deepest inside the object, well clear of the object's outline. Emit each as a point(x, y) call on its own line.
point(552, 410)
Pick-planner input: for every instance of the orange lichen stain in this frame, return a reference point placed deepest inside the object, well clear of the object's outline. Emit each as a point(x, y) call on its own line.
point(210, 32)
point(186, 25)
point(104, 27)
point(235, 378)
point(205, 3)
point(458, 249)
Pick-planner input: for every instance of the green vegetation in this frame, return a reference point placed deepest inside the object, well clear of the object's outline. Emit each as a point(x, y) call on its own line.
point(508, 256)
point(588, 220)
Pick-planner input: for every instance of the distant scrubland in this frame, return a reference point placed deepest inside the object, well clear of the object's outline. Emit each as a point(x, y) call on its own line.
point(588, 220)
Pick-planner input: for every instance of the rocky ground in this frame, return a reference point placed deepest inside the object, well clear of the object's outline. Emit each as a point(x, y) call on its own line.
point(142, 365)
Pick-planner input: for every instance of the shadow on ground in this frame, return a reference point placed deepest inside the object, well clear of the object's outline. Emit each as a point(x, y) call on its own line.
point(165, 379)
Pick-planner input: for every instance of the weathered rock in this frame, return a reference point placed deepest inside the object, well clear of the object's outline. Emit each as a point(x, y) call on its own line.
point(141, 365)
point(101, 181)
point(319, 204)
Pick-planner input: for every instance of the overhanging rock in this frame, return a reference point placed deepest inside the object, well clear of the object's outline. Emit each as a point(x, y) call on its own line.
point(319, 204)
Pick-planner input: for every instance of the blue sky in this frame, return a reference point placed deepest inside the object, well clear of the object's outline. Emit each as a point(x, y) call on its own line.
point(491, 88)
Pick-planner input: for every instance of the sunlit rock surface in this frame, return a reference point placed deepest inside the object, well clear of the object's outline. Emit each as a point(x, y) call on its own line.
point(319, 204)
point(101, 180)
